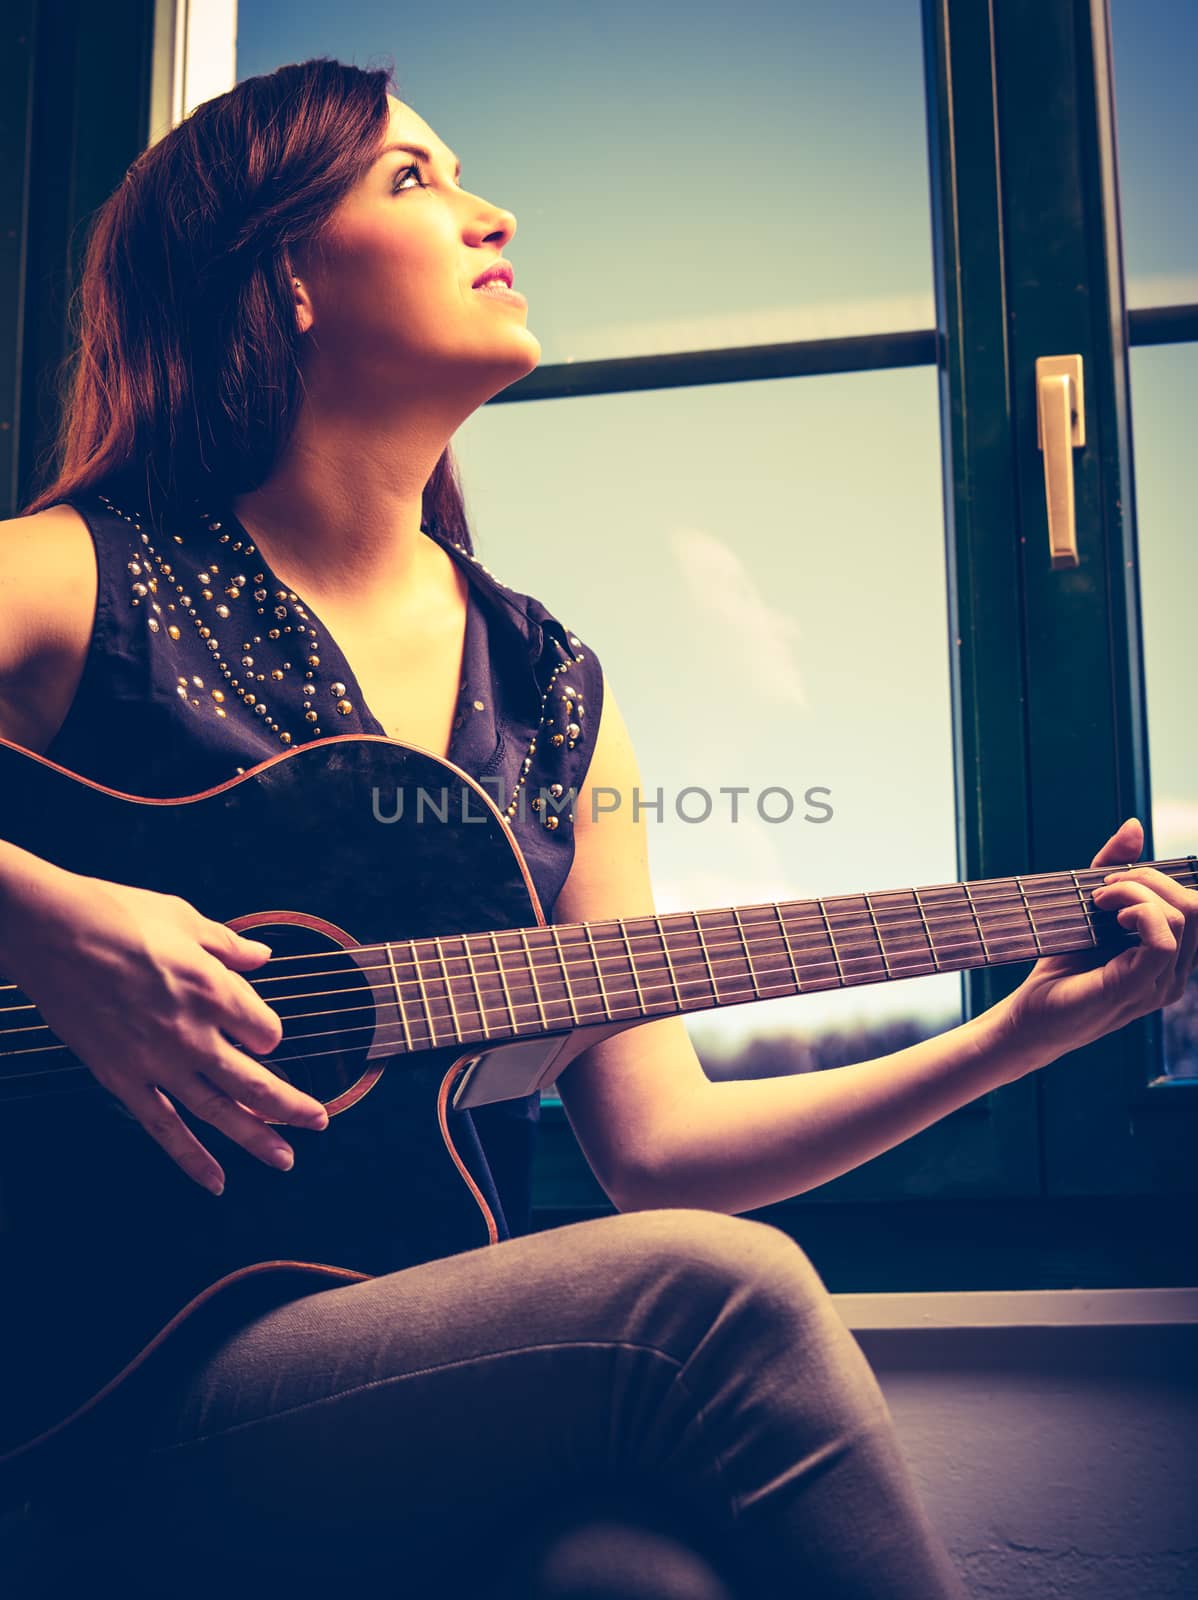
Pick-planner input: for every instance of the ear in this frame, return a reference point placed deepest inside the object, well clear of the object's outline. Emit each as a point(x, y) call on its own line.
point(303, 310)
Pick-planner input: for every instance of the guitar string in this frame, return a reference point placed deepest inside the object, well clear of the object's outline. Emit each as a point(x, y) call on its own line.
point(1047, 896)
point(421, 982)
point(766, 930)
point(755, 992)
point(398, 1040)
point(564, 966)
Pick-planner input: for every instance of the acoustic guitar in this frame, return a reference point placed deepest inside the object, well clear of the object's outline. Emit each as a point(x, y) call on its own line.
point(419, 985)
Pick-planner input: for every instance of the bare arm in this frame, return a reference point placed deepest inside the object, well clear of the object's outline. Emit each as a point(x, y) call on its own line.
point(48, 585)
point(658, 1132)
point(147, 992)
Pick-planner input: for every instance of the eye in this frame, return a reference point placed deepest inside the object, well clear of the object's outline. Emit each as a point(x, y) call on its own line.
point(402, 173)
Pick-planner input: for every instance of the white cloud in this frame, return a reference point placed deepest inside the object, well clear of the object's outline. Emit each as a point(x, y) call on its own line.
point(723, 329)
point(1162, 289)
point(727, 328)
point(759, 636)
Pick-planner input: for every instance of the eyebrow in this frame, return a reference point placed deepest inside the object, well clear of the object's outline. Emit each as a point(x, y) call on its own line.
point(419, 150)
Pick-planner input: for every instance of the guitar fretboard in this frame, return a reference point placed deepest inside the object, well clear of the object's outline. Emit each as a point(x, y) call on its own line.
point(477, 987)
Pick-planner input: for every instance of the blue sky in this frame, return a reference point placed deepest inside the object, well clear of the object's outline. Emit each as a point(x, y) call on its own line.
point(750, 177)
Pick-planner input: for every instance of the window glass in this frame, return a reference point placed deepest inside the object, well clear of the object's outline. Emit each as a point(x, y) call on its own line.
point(1155, 48)
point(681, 180)
point(770, 609)
point(1164, 396)
point(759, 565)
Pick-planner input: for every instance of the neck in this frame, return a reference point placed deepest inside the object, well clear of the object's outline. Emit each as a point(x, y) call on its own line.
point(516, 982)
point(340, 515)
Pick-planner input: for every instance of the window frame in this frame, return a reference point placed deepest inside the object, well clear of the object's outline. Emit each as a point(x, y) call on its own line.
point(1073, 1161)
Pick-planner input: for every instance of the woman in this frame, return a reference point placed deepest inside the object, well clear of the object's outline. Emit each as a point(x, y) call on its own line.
point(280, 332)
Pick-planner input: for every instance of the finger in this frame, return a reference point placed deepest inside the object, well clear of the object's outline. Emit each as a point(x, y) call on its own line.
point(1185, 901)
point(1129, 891)
point(243, 1012)
point(209, 1100)
point(263, 1091)
point(166, 1127)
point(1155, 958)
point(1124, 845)
point(234, 949)
point(1168, 888)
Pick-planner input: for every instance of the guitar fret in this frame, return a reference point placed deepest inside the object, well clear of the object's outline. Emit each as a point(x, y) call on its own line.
point(584, 992)
point(399, 999)
point(665, 950)
point(1031, 921)
point(507, 994)
point(977, 922)
point(878, 937)
point(927, 932)
point(532, 972)
point(448, 981)
point(478, 994)
point(748, 953)
point(603, 1000)
point(715, 992)
point(432, 1032)
point(794, 965)
point(1082, 903)
point(640, 999)
point(565, 973)
point(831, 941)
point(1058, 922)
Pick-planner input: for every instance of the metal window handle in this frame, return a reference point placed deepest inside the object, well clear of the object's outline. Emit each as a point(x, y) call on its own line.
point(1060, 429)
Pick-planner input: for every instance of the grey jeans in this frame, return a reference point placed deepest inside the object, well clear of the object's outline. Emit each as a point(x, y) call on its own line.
point(502, 1423)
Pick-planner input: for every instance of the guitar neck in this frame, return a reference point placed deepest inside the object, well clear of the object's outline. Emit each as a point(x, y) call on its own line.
point(518, 983)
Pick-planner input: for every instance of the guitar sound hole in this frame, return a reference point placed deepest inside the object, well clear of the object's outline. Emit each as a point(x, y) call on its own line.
point(326, 1003)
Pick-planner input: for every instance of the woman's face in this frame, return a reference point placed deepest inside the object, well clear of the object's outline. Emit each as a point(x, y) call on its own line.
point(390, 282)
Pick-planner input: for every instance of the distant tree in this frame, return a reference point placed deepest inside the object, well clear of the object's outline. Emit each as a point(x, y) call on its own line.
point(1181, 1033)
point(781, 1055)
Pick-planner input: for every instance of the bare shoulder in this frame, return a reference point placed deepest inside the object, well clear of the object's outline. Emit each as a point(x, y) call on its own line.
point(48, 583)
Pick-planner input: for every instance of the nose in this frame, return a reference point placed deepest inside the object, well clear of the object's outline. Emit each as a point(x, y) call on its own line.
point(496, 226)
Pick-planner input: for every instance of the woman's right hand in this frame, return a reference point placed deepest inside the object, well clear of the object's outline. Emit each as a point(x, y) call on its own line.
point(139, 986)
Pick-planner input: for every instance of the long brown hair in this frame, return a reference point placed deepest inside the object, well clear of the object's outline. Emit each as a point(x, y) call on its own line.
point(183, 380)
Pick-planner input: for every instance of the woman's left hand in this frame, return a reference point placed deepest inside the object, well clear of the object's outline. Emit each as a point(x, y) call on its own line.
point(1068, 1001)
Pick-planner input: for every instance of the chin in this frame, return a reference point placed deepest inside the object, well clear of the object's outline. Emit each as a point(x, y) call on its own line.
point(525, 354)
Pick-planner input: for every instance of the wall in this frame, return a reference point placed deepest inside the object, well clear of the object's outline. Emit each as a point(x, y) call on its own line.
point(1054, 1440)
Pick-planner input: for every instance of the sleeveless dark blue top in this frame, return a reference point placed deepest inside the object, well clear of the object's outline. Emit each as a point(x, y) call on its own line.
point(204, 662)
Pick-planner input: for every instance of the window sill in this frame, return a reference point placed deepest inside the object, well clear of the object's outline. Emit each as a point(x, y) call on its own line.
point(1020, 1308)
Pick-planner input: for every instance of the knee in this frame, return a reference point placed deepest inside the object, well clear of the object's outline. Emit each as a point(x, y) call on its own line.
point(722, 1253)
point(730, 1294)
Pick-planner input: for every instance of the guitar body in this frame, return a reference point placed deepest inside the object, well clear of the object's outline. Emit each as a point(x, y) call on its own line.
point(106, 1239)
point(339, 854)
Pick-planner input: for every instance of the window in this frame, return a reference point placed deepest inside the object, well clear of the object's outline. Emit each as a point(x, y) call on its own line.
point(882, 218)
point(773, 620)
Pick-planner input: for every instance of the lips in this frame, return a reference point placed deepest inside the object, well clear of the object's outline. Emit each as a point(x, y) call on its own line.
point(498, 271)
